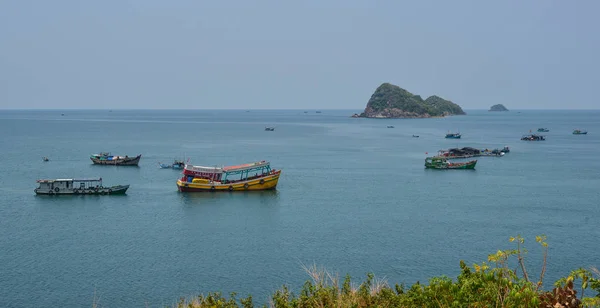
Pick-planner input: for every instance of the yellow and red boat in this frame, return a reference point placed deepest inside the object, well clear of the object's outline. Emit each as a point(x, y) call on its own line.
point(252, 176)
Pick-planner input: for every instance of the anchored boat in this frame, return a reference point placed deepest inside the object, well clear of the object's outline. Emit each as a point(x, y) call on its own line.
point(533, 137)
point(253, 176)
point(467, 152)
point(453, 135)
point(77, 187)
point(543, 130)
point(105, 158)
point(177, 164)
point(443, 163)
point(579, 132)
point(270, 129)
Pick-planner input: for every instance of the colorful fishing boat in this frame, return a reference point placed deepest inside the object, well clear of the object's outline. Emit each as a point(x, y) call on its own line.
point(443, 163)
point(78, 187)
point(579, 132)
point(106, 158)
point(252, 176)
point(543, 130)
point(453, 135)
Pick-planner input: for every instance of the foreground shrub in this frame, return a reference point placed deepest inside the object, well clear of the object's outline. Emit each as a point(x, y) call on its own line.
point(488, 284)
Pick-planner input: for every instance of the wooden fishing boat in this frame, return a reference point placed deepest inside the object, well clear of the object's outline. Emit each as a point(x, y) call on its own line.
point(253, 176)
point(105, 158)
point(443, 163)
point(579, 132)
point(453, 135)
point(78, 187)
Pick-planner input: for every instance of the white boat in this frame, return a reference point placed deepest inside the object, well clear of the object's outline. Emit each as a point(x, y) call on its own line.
point(77, 186)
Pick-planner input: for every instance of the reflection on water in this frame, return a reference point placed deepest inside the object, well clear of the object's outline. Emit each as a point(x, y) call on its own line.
point(267, 197)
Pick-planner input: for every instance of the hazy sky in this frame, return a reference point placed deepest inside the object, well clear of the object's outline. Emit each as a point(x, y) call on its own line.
point(297, 54)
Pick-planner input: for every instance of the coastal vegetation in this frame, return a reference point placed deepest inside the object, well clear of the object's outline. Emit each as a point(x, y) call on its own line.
point(498, 107)
point(391, 101)
point(502, 281)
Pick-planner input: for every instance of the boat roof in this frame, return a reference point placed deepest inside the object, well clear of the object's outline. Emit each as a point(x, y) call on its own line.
point(69, 180)
point(246, 166)
point(215, 169)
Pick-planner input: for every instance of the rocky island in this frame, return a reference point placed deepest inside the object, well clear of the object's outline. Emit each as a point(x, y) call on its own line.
point(390, 101)
point(498, 107)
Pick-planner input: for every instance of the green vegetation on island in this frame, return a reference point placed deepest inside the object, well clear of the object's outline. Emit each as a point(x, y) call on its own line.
point(390, 101)
point(502, 281)
point(498, 107)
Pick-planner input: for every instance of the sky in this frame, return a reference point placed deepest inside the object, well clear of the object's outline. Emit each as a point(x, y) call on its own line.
point(310, 54)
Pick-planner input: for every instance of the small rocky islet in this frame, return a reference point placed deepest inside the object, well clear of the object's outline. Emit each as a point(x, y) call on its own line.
point(498, 107)
point(391, 101)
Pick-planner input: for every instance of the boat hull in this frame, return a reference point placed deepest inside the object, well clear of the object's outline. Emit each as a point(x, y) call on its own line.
point(470, 165)
point(268, 182)
point(129, 161)
point(114, 190)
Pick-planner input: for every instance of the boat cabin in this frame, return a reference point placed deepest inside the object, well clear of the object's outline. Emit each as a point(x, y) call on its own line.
point(69, 184)
point(228, 174)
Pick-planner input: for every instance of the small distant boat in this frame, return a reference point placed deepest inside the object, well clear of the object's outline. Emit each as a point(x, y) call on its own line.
point(45, 158)
point(533, 137)
point(415, 136)
point(305, 111)
point(177, 164)
point(106, 158)
point(318, 111)
point(505, 149)
point(579, 132)
point(543, 130)
point(390, 126)
point(77, 186)
point(269, 129)
point(252, 176)
point(453, 135)
point(443, 163)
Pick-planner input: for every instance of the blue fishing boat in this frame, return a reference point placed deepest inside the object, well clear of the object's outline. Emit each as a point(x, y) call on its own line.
point(453, 135)
point(177, 164)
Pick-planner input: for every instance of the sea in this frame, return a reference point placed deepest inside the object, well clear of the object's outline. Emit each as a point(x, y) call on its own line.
point(354, 198)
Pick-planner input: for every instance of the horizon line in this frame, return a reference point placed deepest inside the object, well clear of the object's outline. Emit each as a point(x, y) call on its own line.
point(261, 109)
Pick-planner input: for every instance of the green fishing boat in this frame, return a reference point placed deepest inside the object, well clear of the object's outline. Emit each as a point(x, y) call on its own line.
point(443, 163)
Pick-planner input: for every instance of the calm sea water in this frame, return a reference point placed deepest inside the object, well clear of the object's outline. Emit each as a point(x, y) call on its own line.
point(354, 197)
